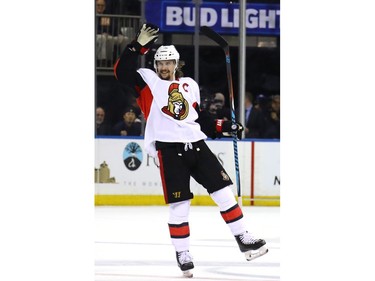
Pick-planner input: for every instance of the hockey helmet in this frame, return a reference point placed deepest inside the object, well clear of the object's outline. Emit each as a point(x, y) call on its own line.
point(166, 53)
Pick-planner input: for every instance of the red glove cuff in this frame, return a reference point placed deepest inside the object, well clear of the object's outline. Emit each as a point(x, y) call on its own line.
point(139, 48)
point(144, 50)
point(219, 125)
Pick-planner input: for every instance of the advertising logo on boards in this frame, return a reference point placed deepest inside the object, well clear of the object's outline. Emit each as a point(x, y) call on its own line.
point(132, 156)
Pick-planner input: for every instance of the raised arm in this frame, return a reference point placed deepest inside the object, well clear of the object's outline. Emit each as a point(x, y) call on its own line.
point(126, 66)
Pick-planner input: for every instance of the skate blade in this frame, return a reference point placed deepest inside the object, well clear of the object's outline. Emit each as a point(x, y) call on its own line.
point(187, 274)
point(253, 254)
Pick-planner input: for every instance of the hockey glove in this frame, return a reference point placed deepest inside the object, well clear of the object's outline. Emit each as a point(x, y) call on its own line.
point(145, 37)
point(227, 128)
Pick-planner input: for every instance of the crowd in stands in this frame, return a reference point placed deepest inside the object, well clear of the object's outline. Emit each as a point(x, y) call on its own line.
point(112, 35)
point(129, 124)
point(262, 116)
point(123, 7)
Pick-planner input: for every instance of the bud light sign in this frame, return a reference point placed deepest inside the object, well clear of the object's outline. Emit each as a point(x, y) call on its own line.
point(179, 16)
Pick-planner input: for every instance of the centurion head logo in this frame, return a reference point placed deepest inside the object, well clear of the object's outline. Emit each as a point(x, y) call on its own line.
point(177, 107)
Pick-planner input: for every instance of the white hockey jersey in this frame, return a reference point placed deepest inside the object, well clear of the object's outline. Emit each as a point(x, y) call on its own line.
point(169, 110)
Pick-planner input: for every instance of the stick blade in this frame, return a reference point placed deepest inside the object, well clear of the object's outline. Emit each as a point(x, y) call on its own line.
point(213, 35)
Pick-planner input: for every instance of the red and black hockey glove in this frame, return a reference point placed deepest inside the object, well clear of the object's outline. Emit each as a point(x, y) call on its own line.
point(145, 37)
point(227, 128)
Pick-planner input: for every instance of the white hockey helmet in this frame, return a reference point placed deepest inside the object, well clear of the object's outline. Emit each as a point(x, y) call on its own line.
point(166, 53)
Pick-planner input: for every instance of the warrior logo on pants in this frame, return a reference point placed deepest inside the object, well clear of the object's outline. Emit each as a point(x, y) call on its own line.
point(177, 107)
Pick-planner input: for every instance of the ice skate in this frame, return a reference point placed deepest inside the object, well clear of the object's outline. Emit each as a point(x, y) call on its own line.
point(252, 247)
point(185, 263)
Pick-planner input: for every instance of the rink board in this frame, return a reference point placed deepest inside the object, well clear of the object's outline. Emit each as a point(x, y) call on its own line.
point(126, 175)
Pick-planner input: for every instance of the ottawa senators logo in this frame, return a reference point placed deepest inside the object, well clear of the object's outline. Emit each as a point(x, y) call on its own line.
point(177, 107)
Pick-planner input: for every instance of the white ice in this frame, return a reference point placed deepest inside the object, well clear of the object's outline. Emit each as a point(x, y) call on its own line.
point(132, 243)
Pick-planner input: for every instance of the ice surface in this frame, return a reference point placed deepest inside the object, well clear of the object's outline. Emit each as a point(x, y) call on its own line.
point(133, 243)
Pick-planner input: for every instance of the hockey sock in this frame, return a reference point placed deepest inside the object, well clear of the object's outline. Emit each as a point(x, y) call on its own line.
point(229, 210)
point(179, 226)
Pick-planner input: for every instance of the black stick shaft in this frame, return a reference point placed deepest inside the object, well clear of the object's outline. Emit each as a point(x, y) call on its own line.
point(233, 117)
point(210, 33)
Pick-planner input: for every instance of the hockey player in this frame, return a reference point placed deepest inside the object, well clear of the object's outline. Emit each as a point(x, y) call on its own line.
point(174, 135)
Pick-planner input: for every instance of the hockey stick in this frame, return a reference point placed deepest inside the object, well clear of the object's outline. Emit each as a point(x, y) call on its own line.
point(210, 33)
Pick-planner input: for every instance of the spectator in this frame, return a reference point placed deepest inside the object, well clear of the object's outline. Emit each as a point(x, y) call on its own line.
point(208, 110)
point(273, 118)
point(102, 128)
point(128, 126)
point(206, 97)
point(138, 112)
point(222, 111)
point(105, 35)
point(212, 110)
point(206, 100)
point(254, 119)
point(262, 103)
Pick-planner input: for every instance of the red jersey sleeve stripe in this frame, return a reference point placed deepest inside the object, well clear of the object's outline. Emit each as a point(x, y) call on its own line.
point(145, 100)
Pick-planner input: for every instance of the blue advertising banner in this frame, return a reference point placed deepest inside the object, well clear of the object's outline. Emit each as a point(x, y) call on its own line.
point(179, 16)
